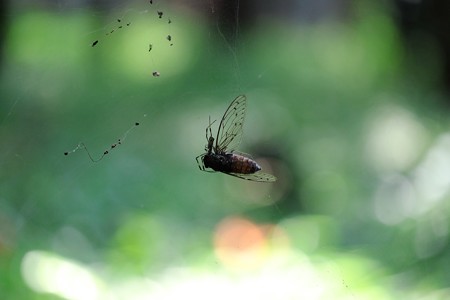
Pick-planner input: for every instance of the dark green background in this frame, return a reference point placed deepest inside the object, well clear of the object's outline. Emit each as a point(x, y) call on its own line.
point(349, 117)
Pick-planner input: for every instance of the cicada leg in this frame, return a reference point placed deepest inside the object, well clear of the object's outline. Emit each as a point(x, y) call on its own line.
point(200, 163)
point(209, 127)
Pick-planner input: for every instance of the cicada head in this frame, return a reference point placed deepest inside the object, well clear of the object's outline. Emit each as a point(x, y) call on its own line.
point(209, 146)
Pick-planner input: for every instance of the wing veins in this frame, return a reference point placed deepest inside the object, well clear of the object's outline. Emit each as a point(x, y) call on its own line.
point(258, 176)
point(230, 128)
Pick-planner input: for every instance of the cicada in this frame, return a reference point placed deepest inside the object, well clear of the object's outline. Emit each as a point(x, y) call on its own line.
point(221, 156)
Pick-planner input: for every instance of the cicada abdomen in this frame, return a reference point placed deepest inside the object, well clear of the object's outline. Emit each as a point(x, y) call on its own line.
point(243, 165)
point(230, 163)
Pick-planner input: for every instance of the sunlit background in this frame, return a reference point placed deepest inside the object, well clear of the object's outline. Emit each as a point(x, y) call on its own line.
point(348, 105)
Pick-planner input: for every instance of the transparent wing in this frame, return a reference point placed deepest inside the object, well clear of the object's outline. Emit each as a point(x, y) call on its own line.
point(230, 129)
point(258, 176)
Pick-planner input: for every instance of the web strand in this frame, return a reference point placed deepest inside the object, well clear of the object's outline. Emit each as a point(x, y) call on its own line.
point(232, 47)
point(82, 146)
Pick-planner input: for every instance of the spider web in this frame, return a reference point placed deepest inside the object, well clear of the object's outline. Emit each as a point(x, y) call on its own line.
point(89, 91)
point(127, 86)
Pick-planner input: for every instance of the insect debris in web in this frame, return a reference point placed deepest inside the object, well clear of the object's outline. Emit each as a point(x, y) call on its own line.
point(113, 30)
point(221, 156)
point(82, 146)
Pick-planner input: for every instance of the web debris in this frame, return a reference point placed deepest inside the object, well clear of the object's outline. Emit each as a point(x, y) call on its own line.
point(82, 146)
point(157, 13)
point(112, 30)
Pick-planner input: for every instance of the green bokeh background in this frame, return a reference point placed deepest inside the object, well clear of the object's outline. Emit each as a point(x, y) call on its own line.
point(350, 121)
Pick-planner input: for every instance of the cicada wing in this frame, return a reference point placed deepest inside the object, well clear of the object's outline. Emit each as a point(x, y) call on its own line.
point(229, 134)
point(242, 154)
point(258, 176)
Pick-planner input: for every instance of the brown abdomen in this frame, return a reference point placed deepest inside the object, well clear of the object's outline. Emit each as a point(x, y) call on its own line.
point(243, 165)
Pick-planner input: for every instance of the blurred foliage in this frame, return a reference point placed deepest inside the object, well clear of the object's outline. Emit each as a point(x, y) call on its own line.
point(340, 112)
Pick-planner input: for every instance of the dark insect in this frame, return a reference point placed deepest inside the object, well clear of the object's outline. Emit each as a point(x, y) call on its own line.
point(94, 43)
point(221, 156)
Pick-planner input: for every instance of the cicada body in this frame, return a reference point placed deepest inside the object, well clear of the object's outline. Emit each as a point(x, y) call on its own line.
point(230, 163)
point(221, 157)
